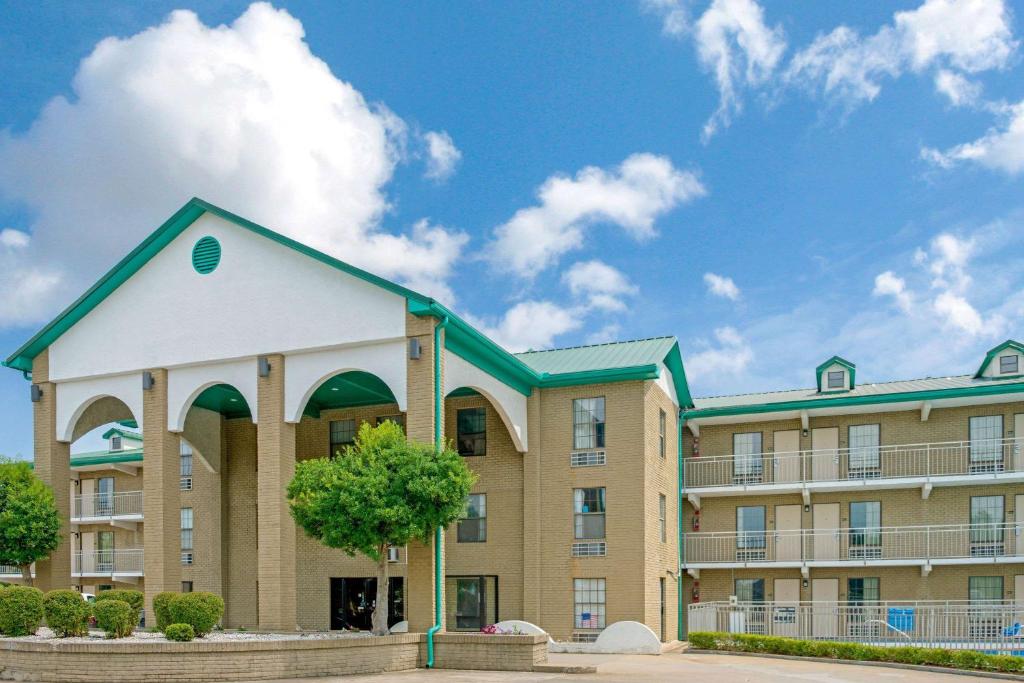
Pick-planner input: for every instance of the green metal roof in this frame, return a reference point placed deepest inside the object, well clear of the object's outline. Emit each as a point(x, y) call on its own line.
point(622, 354)
point(123, 432)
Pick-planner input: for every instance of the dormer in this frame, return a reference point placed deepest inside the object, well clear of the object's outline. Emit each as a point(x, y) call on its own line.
point(836, 374)
point(1005, 360)
point(121, 439)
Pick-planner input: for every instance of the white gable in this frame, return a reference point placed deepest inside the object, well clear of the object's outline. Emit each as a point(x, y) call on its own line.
point(835, 367)
point(993, 370)
point(262, 298)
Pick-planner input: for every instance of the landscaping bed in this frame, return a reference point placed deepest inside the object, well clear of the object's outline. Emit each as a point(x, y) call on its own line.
point(45, 635)
point(951, 659)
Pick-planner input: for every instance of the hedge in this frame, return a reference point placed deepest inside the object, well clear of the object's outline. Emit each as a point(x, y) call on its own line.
point(21, 610)
point(955, 659)
point(201, 610)
point(134, 598)
point(67, 613)
point(180, 632)
point(162, 609)
point(116, 617)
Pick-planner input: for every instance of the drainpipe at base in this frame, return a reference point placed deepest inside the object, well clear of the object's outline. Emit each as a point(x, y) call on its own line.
point(438, 445)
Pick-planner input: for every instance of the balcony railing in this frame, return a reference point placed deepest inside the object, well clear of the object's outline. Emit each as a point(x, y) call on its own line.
point(990, 458)
point(912, 545)
point(993, 626)
point(106, 506)
point(107, 562)
point(9, 571)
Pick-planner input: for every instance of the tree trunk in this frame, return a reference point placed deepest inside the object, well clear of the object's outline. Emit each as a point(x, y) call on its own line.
point(380, 609)
point(26, 574)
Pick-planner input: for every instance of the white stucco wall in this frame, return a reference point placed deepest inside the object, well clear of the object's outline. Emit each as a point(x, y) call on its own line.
point(74, 397)
point(510, 404)
point(184, 384)
point(667, 382)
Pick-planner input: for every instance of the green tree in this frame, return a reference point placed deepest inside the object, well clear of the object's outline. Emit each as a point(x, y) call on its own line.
point(383, 491)
point(29, 522)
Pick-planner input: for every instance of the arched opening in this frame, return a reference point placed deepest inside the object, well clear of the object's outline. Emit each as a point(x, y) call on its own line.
point(468, 398)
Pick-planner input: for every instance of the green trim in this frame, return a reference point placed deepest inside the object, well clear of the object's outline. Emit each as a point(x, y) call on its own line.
point(107, 458)
point(1008, 344)
point(206, 255)
point(834, 360)
point(876, 399)
point(569, 379)
point(123, 432)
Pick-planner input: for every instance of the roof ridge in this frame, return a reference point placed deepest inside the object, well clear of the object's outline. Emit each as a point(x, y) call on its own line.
point(591, 346)
point(815, 389)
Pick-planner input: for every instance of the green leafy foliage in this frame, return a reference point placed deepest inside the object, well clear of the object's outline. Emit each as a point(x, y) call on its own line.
point(133, 598)
point(29, 522)
point(67, 613)
point(200, 610)
point(383, 491)
point(180, 632)
point(21, 610)
point(116, 617)
point(955, 659)
point(162, 608)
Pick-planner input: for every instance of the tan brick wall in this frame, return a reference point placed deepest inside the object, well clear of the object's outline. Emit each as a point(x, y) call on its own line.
point(238, 498)
point(206, 571)
point(661, 479)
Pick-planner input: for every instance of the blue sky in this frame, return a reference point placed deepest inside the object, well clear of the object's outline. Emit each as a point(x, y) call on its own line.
point(772, 183)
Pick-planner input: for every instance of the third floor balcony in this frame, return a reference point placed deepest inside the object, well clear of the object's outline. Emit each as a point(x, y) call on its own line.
point(921, 465)
point(120, 509)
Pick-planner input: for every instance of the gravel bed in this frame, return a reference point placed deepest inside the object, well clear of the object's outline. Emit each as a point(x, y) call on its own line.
point(45, 635)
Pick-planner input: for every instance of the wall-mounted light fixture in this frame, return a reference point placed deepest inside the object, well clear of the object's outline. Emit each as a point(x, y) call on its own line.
point(147, 380)
point(37, 393)
point(804, 583)
point(415, 349)
point(804, 433)
point(264, 366)
point(807, 508)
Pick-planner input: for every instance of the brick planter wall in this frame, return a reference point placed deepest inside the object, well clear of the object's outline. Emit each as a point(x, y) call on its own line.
point(114, 662)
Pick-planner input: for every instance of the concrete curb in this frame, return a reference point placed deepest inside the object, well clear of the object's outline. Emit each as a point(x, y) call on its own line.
point(887, 665)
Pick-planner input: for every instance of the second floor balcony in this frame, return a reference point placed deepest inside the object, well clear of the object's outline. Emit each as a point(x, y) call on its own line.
point(837, 469)
point(120, 565)
point(121, 508)
point(922, 546)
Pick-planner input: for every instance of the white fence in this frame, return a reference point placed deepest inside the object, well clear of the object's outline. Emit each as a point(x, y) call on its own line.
point(107, 505)
point(986, 626)
point(982, 542)
point(107, 562)
point(947, 459)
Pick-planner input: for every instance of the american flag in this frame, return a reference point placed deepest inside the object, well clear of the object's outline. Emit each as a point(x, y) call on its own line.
point(588, 620)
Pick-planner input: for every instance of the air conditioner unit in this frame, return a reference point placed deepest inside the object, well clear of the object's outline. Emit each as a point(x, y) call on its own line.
point(394, 554)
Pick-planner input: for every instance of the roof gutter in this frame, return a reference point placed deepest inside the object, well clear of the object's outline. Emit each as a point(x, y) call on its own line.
point(438, 447)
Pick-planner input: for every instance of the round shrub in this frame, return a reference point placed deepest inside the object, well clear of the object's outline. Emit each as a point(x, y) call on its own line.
point(67, 613)
point(134, 598)
point(180, 632)
point(21, 610)
point(162, 609)
point(116, 617)
point(201, 610)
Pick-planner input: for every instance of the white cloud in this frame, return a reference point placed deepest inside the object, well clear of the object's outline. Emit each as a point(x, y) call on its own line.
point(958, 313)
point(603, 286)
point(967, 35)
point(729, 354)
point(674, 15)
point(959, 90)
point(608, 333)
point(530, 325)
point(1000, 149)
point(25, 287)
point(630, 196)
point(735, 44)
point(888, 284)
point(722, 286)
point(442, 155)
point(243, 115)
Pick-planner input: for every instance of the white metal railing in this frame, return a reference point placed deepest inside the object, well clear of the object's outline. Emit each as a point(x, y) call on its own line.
point(981, 542)
point(107, 562)
point(922, 460)
point(107, 505)
point(993, 626)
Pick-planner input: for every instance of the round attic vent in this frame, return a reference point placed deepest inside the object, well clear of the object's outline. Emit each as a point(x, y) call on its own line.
point(206, 255)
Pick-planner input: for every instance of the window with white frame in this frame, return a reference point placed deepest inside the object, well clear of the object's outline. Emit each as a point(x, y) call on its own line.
point(588, 427)
point(343, 435)
point(986, 519)
point(589, 506)
point(746, 448)
point(986, 433)
point(662, 507)
point(985, 588)
point(115, 442)
point(472, 528)
point(662, 420)
point(750, 527)
point(1009, 365)
point(185, 466)
point(860, 591)
point(589, 598)
point(749, 590)
point(864, 442)
point(836, 379)
point(865, 525)
point(186, 533)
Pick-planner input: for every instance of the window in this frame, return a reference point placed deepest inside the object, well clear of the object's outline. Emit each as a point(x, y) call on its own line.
point(986, 524)
point(186, 528)
point(985, 588)
point(661, 433)
point(186, 586)
point(865, 529)
point(398, 419)
point(104, 587)
point(589, 512)
point(470, 603)
point(587, 423)
point(185, 466)
point(836, 379)
point(746, 448)
point(472, 431)
point(750, 590)
point(864, 455)
point(105, 496)
point(861, 591)
point(343, 435)
point(588, 603)
point(662, 504)
point(1008, 365)
point(986, 433)
point(750, 527)
point(115, 442)
point(472, 528)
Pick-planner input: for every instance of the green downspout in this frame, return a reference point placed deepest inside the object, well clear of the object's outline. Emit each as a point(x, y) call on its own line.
point(679, 513)
point(438, 446)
